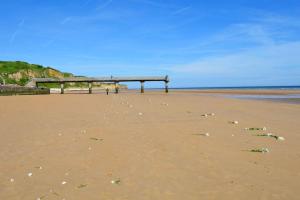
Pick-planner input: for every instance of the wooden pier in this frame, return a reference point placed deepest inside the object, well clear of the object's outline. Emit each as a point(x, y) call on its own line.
point(111, 79)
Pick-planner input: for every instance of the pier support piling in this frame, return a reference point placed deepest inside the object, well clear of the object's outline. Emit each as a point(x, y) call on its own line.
point(142, 87)
point(62, 86)
point(166, 87)
point(90, 87)
point(116, 87)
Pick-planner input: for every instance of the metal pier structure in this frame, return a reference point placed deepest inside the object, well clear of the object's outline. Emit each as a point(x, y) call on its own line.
point(111, 79)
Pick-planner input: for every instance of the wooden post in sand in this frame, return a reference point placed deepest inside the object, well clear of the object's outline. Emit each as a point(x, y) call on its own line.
point(90, 87)
point(166, 87)
point(116, 88)
point(62, 85)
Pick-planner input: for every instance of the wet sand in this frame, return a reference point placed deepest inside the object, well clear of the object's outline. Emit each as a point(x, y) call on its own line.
point(146, 146)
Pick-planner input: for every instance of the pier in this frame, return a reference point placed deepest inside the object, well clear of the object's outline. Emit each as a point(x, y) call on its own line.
point(111, 79)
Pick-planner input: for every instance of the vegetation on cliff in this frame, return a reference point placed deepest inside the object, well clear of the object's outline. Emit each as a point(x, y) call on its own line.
point(20, 73)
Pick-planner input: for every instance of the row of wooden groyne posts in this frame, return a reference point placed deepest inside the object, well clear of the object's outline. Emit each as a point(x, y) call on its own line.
point(116, 80)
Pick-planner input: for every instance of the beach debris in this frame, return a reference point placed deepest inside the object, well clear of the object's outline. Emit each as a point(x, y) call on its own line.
point(256, 129)
point(64, 182)
point(234, 122)
point(271, 135)
point(12, 180)
point(81, 186)
point(260, 150)
point(39, 167)
point(116, 182)
point(94, 138)
point(203, 134)
point(208, 114)
point(280, 138)
point(29, 174)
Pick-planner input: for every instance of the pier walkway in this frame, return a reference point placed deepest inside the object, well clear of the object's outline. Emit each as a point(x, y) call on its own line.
point(112, 79)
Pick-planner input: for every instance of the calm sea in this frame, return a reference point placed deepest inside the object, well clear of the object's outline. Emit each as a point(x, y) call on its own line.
point(240, 88)
point(288, 98)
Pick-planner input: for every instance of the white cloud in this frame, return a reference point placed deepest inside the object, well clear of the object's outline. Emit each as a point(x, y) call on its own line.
point(276, 60)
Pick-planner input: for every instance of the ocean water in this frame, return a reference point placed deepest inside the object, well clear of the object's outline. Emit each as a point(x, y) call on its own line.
point(288, 98)
point(240, 88)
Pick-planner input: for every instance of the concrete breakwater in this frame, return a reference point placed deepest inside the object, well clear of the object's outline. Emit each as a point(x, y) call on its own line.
point(6, 90)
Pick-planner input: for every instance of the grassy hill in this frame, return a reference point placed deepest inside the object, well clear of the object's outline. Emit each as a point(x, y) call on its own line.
point(19, 73)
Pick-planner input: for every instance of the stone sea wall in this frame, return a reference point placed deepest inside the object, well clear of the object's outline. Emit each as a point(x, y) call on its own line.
point(19, 90)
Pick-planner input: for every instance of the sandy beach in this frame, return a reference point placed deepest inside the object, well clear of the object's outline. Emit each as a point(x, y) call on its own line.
point(181, 145)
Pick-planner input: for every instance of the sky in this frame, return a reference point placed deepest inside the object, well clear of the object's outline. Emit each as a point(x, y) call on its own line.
point(197, 43)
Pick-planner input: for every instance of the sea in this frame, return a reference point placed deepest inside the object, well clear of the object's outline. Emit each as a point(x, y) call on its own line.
point(240, 88)
point(287, 98)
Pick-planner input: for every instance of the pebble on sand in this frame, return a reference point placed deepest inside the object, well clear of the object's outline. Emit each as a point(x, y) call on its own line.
point(64, 182)
point(117, 181)
point(140, 114)
point(280, 138)
point(29, 174)
point(12, 180)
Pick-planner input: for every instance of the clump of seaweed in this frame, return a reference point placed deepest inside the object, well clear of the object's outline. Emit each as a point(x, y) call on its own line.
point(208, 114)
point(81, 186)
point(272, 136)
point(260, 150)
point(96, 139)
point(256, 129)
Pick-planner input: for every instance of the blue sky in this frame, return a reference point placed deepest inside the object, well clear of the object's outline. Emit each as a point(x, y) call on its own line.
point(197, 43)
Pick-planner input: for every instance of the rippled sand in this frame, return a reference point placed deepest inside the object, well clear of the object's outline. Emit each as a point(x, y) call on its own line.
point(147, 146)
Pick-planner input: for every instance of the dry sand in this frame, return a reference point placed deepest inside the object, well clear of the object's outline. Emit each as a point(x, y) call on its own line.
point(133, 146)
